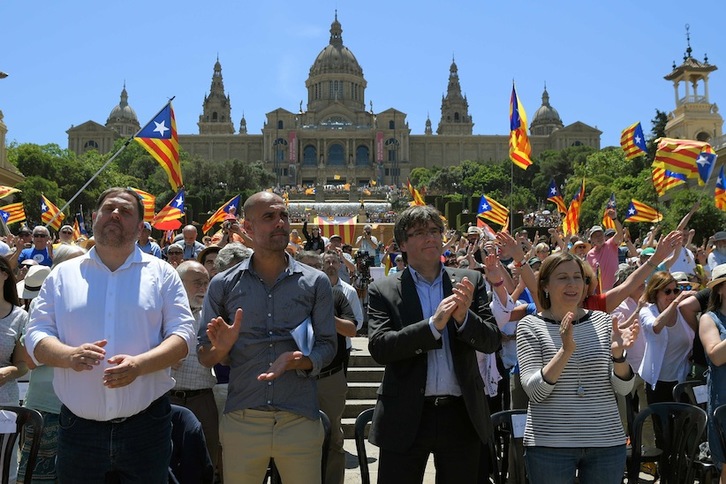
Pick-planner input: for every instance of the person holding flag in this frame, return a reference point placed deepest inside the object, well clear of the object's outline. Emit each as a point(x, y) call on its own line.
point(603, 257)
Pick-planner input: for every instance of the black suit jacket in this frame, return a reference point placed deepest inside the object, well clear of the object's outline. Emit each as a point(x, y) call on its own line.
point(400, 338)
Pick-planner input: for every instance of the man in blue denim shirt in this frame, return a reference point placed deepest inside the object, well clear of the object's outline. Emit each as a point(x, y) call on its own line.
point(270, 411)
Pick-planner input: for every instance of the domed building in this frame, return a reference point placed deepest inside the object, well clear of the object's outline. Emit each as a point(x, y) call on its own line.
point(121, 123)
point(546, 119)
point(337, 137)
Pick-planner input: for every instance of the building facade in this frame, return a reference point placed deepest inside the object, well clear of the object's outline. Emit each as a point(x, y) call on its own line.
point(337, 137)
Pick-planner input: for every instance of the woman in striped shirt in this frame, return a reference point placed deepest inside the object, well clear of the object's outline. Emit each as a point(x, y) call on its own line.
point(572, 361)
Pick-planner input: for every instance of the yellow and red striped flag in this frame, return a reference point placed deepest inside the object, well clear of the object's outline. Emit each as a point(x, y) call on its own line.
point(76, 229)
point(571, 223)
point(682, 155)
point(720, 192)
point(48, 213)
point(554, 196)
point(492, 210)
point(159, 138)
point(633, 142)
point(640, 212)
point(664, 180)
point(232, 206)
point(173, 210)
point(520, 150)
point(415, 195)
point(149, 202)
point(5, 191)
point(607, 222)
point(16, 212)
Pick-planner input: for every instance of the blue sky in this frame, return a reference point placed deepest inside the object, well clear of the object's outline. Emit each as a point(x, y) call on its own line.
point(603, 62)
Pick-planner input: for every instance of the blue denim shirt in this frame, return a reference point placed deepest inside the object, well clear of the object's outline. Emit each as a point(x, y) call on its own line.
point(270, 313)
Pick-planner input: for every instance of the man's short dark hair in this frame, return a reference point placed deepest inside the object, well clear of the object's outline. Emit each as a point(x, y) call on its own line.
point(128, 191)
point(415, 216)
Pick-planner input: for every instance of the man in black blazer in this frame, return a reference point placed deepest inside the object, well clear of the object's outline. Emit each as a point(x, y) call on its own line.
point(425, 325)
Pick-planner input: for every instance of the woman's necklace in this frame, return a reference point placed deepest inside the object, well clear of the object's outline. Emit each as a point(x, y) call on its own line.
point(575, 356)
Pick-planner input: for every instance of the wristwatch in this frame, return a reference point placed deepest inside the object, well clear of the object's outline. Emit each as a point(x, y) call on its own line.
point(621, 359)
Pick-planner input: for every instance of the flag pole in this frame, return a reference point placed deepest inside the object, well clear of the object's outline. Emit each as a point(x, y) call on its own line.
point(100, 170)
point(511, 197)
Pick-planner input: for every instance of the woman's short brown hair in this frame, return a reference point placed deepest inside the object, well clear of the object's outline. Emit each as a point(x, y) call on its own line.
point(657, 281)
point(548, 267)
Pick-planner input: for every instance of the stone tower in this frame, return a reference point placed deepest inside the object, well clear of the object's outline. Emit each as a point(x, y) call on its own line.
point(216, 117)
point(694, 117)
point(455, 117)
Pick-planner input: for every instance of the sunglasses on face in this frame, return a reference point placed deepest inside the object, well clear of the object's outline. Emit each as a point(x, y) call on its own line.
point(685, 287)
point(40, 235)
point(675, 291)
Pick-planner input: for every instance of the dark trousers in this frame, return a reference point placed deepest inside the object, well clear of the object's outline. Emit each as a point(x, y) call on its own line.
point(663, 391)
point(135, 450)
point(447, 432)
point(204, 407)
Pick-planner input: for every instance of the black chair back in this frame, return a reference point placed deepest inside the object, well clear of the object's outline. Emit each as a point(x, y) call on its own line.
point(361, 422)
point(678, 431)
point(24, 418)
point(688, 392)
point(501, 442)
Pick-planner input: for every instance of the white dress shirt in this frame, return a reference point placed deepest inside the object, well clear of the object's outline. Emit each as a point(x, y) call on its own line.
point(134, 307)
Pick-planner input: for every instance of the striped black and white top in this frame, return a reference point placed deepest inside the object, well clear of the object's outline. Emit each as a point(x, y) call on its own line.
point(580, 409)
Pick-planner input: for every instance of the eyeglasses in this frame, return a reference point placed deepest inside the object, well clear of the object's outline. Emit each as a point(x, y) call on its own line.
point(433, 232)
point(685, 287)
point(675, 291)
point(42, 236)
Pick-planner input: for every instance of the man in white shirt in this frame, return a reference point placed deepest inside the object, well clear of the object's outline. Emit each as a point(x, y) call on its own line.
point(718, 254)
point(367, 242)
point(112, 322)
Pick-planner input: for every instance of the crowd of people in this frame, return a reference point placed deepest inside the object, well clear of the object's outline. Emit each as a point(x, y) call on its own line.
point(147, 356)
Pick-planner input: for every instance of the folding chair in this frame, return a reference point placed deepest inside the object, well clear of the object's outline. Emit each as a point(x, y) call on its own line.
point(678, 431)
point(361, 422)
point(24, 417)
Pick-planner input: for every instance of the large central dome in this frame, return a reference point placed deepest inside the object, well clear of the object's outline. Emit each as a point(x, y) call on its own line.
point(335, 57)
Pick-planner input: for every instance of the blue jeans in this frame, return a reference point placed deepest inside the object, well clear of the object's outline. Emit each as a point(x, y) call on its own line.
point(594, 465)
point(135, 450)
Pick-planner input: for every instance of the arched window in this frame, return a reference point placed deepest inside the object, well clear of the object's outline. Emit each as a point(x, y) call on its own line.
point(392, 147)
point(90, 145)
point(391, 124)
point(280, 145)
point(279, 124)
point(310, 155)
point(362, 156)
point(703, 136)
point(456, 117)
point(336, 154)
point(214, 117)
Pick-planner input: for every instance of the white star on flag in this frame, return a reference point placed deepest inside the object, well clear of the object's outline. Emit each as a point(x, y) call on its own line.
point(720, 181)
point(702, 159)
point(160, 128)
point(484, 207)
point(637, 140)
point(43, 207)
point(553, 191)
point(631, 211)
point(178, 202)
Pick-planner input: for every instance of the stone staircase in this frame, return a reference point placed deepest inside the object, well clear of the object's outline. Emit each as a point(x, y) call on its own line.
point(364, 377)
